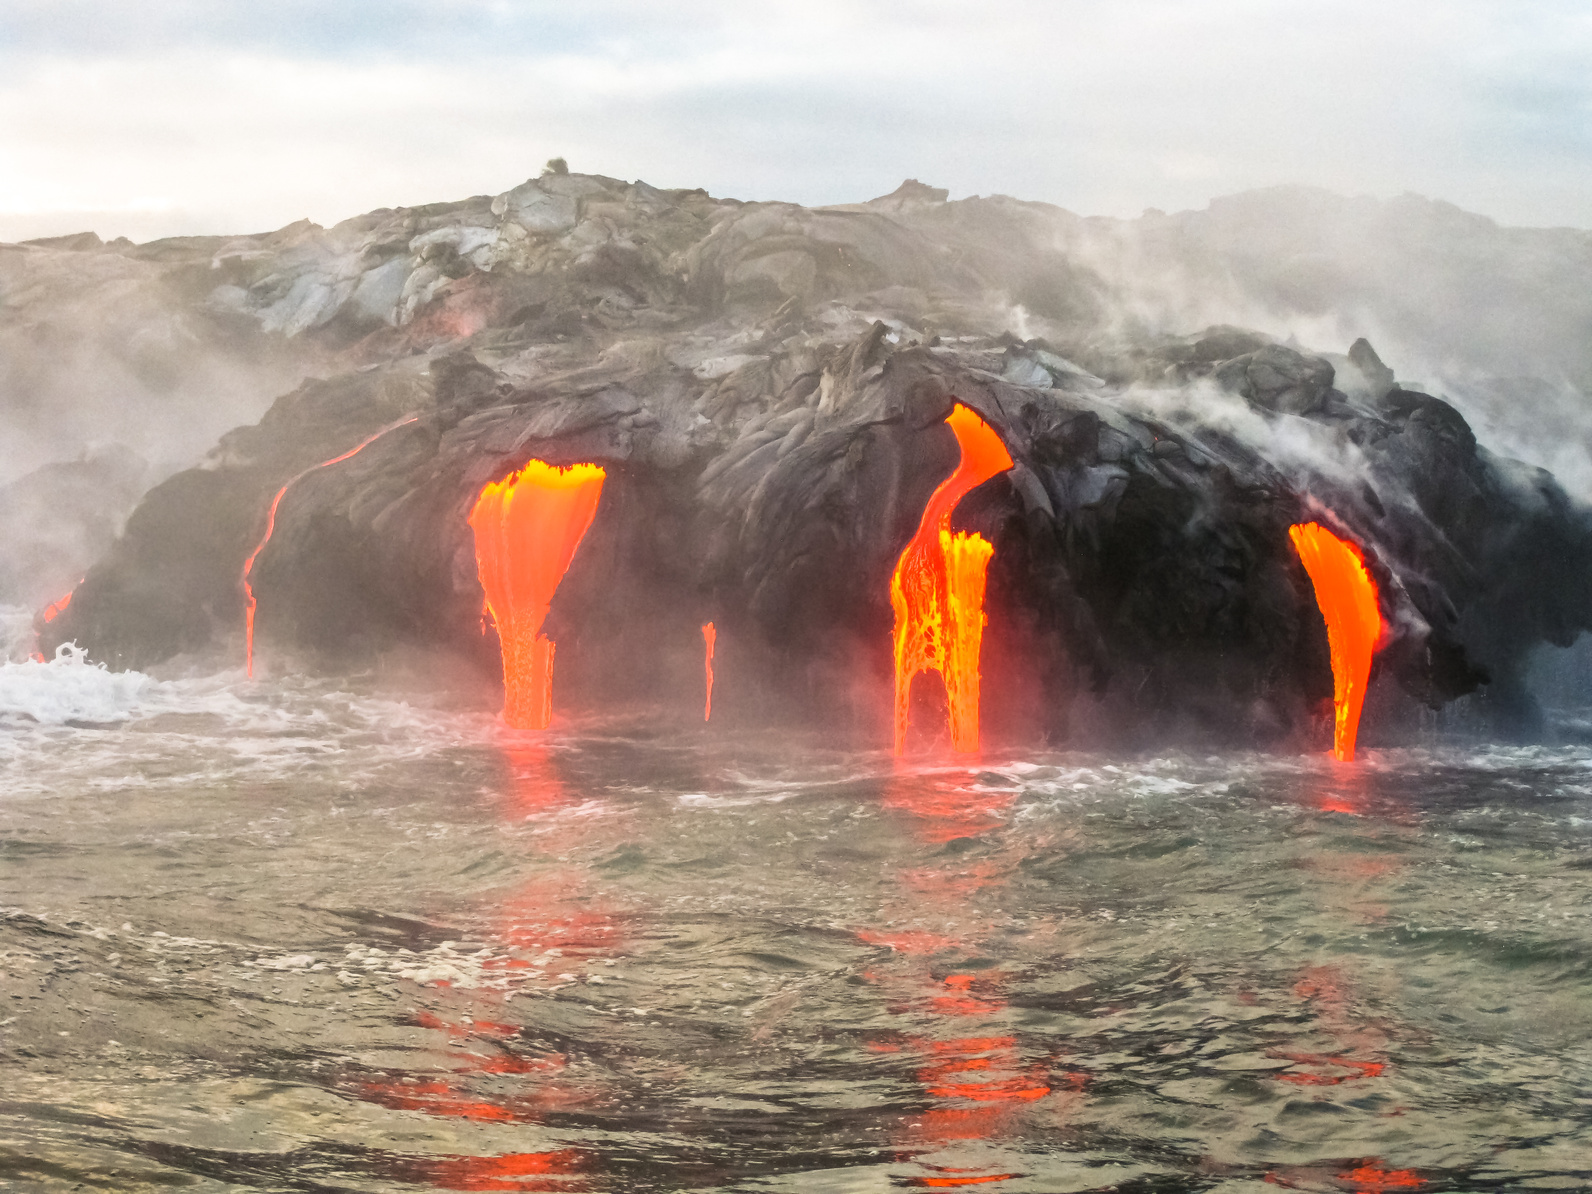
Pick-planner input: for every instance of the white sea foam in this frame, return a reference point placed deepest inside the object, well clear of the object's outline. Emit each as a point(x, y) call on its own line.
point(68, 725)
point(68, 688)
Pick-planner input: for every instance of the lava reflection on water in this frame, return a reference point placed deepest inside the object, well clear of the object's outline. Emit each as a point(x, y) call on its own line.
point(1348, 600)
point(547, 933)
point(551, 1170)
point(937, 589)
point(976, 1072)
point(527, 528)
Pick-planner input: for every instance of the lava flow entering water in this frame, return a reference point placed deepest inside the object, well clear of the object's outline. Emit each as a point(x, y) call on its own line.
point(270, 526)
point(1348, 599)
point(527, 528)
point(709, 637)
point(53, 611)
point(937, 589)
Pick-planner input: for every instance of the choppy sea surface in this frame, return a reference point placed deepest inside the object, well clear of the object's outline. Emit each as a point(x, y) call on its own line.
point(290, 936)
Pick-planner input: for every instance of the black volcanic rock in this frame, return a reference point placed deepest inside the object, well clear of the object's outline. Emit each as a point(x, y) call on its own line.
point(1375, 377)
point(766, 386)
point(1279, 379)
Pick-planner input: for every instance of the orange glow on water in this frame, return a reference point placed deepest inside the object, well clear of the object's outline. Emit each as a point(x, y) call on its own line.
point(1372, 1177)
point(938, 1183)
point(527, 528)
point(980, 1080)
point(1322, 1075)
point(270, 526)
point(937, 589)
point(910, 942)
point(510, 1171)
point(945, 809)
point(1348, 599)
point(436, 1098)
point(709, 637)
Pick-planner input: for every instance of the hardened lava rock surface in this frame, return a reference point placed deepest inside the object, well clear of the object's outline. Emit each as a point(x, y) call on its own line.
point(767, 385)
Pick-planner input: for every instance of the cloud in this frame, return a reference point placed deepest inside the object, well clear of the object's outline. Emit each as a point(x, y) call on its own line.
point(187, 116)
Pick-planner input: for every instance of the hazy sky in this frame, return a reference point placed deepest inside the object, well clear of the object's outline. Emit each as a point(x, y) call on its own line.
point(170, 116)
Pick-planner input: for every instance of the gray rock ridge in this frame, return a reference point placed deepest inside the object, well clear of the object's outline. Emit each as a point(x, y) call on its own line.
point(766, 386)
point(155, 326)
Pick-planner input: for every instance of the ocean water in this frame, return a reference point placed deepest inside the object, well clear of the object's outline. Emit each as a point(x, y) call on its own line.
point(306, 936)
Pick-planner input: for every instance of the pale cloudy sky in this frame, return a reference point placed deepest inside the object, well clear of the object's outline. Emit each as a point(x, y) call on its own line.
point(169, 116)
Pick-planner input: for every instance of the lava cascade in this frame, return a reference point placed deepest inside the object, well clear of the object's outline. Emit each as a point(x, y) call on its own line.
point(527, 528)
point(51, 612)
point(937, 589)
point(1348, 599)
point(270, 527)
point(57, 607)
point(709, 637)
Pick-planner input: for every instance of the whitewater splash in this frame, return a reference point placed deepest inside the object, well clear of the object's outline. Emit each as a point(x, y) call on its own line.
point(68, 689)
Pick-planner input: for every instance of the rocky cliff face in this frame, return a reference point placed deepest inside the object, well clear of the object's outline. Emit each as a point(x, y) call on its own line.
point(767, 386)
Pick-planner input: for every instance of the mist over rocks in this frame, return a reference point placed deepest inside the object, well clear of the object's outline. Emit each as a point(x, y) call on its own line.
point(103, 344)
point(766, 385)
point(61, 518)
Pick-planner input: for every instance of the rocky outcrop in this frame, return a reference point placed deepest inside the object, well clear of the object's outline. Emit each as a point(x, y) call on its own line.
point(767, 386)
point(117, 343)
point(1279, 379)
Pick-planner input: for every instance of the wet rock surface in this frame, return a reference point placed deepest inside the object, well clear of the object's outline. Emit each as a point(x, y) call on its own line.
point(766, 385)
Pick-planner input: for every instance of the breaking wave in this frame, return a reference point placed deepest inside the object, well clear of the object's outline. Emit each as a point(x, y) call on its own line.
point(68, 689)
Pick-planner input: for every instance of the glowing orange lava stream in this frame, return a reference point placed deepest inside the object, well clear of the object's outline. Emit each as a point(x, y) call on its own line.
point(527, 528)
point(270, 526)
point(57, 607)
point(937, 589)
point(51, 612)
point(709, 636)
point(1348, 600)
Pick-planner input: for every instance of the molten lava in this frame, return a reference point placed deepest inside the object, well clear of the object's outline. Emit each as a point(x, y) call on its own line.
point(1348, 600)
point(56, 608)
point(938, 589)
point(527, 528)
point(270, 526)
point(709, 636)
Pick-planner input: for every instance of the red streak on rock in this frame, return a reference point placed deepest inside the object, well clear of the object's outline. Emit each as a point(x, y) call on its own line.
point(1348, 599)
point(709, 637)
point(937, 589)
point(270, 526)
point(527, 528)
